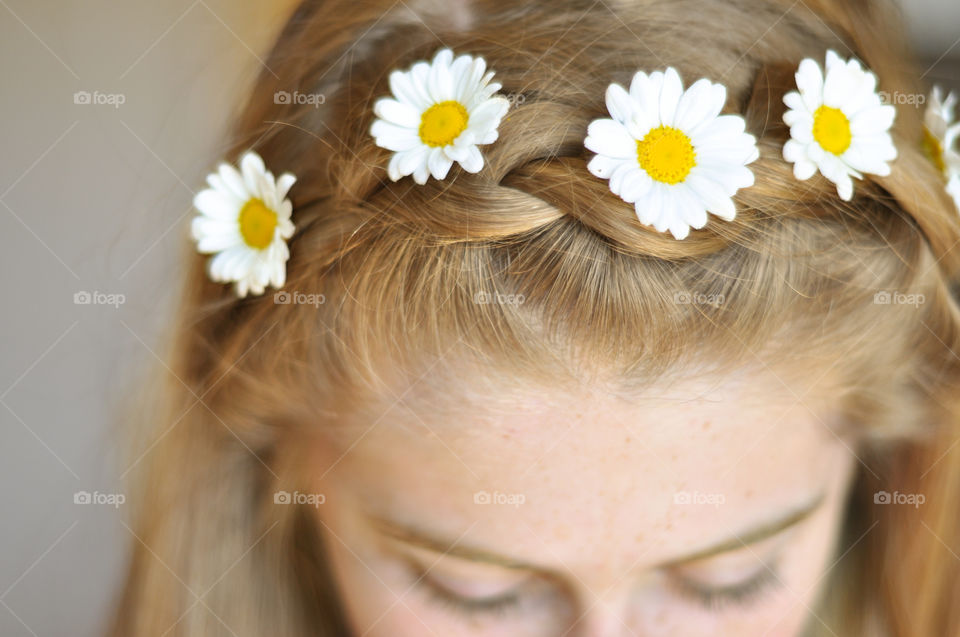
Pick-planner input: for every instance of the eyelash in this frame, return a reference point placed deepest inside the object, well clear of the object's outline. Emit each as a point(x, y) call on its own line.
point(712, 599)
point(497, 606)
point(737, 595)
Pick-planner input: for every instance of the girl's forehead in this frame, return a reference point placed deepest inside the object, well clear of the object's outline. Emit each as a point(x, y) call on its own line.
point(638, 484)
point(588, 462)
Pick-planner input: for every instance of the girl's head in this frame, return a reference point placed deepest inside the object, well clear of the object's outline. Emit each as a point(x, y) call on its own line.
point(497, 404)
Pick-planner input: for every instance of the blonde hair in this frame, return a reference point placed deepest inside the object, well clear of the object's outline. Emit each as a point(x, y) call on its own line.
point(401, 267)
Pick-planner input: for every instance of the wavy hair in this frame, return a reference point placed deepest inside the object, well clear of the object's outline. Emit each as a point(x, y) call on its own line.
point(401, 266)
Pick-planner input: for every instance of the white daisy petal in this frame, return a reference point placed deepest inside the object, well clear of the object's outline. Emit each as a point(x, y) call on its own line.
point(650, 209)
point(422, 171)
point(717, 98)
point(215, 204)
point(284, 183)
point(620, 175)
point(810, 82)
point(678, 227)
point(487, 115)
point(610, 138)
point(645, 91)
point(950, 137)
point(690, 208)
point(731, 175)
point(802, 130)
point(875, 151)
point(233, 181)
point(845, 187)
point(636, 184)
point(212, 236)
point(833, 59)
point(722, 130)
point(393, 166)
point(286, 226)
point(406, 91)
point(873, 120)
point(466, 139)
point(420, 78)
point(251, 167)
point(794, 102)
point(618, 103)
point(838, 88)
point(396, 112)
point(866, 162)
point(457, 152)
point(441, 84)
point(670, 94)
point(603, 166)
point(804, 169)
point(393, 137)
point(713, 196)
point(230, 265)
point(461, 69)
point(699, 103)
point(473, 162)
point(953, 189)
point(795, 153)
point(663, 207)
point(412, 159)
point(488, 138)
point(439, 163)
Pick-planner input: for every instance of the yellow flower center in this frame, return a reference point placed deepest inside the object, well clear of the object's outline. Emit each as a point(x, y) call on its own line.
point(666, 153)
point(442, 123)
point(831, 129)
point(257, 224)
point(934, 150)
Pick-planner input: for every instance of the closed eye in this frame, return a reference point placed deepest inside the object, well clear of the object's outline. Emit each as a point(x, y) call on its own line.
point(742, 593)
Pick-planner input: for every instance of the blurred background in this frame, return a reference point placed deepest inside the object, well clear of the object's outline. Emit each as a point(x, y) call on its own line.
point(112, 114)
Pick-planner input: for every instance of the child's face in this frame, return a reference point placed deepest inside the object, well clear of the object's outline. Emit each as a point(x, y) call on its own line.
point(705, 509)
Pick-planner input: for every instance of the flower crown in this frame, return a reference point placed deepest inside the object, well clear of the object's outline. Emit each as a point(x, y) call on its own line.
point(667, 150)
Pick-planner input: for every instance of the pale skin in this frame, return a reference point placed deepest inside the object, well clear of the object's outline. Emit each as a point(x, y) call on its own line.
point(709, 508)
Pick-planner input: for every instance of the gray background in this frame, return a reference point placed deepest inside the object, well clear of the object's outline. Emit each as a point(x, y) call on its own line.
point(96, 198)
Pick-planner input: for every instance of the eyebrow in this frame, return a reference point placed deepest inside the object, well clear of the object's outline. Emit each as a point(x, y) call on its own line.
point(414, 536)
point(754, 535)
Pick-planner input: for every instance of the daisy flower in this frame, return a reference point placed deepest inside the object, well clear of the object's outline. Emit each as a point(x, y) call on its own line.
point(439, 113)
point(838, 124)
point(670, 153)
point(245, 220)
point(940, 134)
